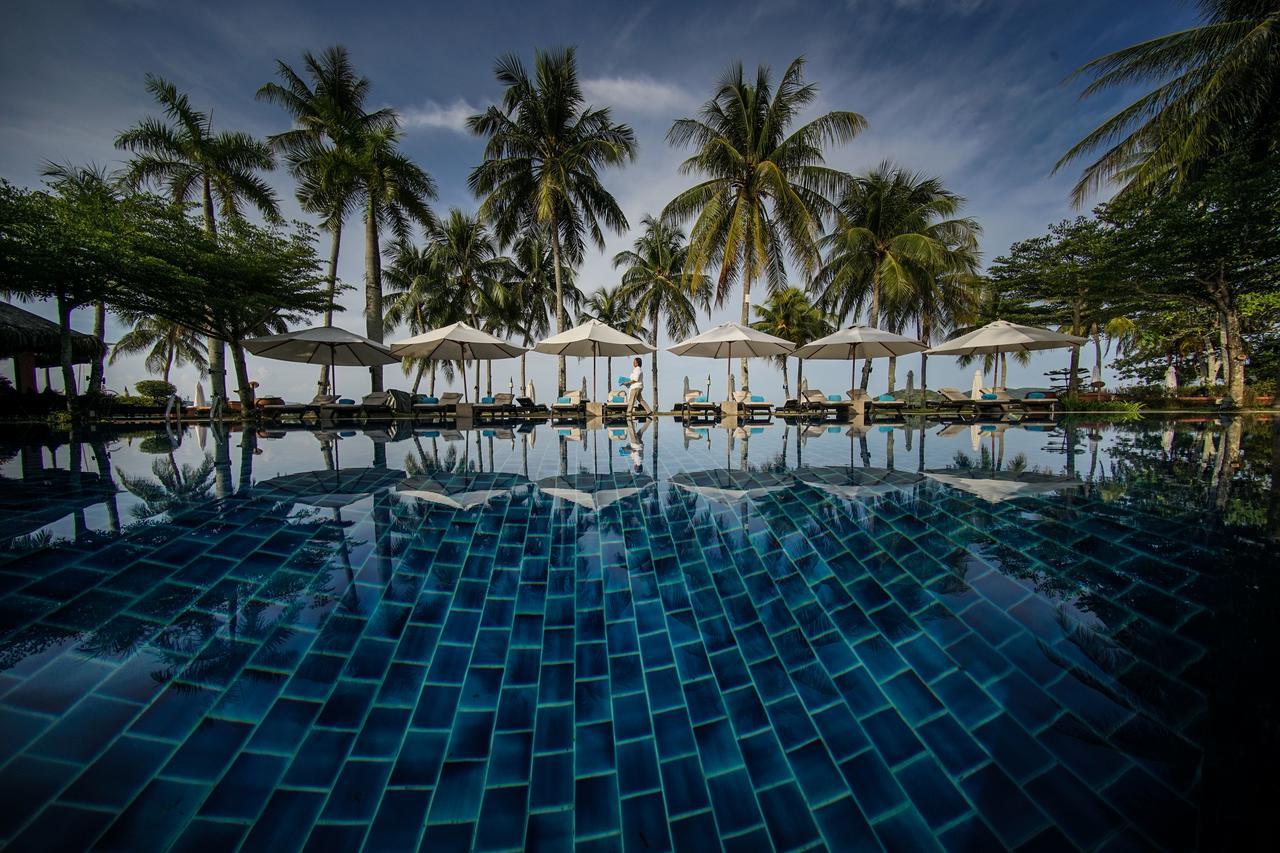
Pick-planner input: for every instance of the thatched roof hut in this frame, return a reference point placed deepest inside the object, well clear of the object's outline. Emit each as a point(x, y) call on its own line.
point(22, 332)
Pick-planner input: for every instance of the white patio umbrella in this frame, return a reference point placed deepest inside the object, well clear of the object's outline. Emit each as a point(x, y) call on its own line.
point(975, 389)
point(595, 491)
point(733, 340)
point(859, 342)
point(1002, 336)
point(591, 340)
point(457, 342)
point(731, 486)
point(322, 345)
point(1171, 378)
point(996, 486)
point(198, 397)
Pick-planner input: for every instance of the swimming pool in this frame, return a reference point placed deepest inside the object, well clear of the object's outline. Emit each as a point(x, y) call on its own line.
point(910, 636)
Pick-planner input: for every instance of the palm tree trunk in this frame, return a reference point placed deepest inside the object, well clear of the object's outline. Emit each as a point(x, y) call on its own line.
point(875, 322)
point(64, 352)
point(168, 359)
point(560, 318)
point(336, 229)
point(1097, 351)
point(372, 287)
point(746, 321)
point(893, 372)
point(217, 351)
point(243, 388)
point(653, 340)
point(97, 373)
point(432, 392)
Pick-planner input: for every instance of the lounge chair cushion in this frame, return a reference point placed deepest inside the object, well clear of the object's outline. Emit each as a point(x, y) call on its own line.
point(486, 401)
point(563, 401)
point(426, 399)
point(990, 397)
point(700, 399)
point(346, 401)
point(757, 398)
point(835, 398)
point(623, 380)
point(1036, 395)
point(887, 398)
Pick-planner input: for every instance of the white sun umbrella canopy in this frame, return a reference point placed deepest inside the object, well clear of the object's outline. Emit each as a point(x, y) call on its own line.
point(859, 342)
point(591, 340)
point(457, 342)
point(322, 345)
point(733, 340)
point(1002, 336)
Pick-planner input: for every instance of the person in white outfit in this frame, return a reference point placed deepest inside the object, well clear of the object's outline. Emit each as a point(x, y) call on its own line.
point(637, 375)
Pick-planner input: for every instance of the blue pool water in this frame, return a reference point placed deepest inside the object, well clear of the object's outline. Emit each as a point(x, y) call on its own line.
point(909, 637)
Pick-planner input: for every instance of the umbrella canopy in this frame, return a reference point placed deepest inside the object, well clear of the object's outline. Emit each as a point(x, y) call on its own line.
point(1003, 336)
point(198, 397)
point(852, 483)
point(729, 486)
point(593, 339)
point(460, 491)
point(859, 342)
point(457, 342)
point(733, 340)
point(595, 491)
point(997, 486)
point(330, 488)
point(322, 345)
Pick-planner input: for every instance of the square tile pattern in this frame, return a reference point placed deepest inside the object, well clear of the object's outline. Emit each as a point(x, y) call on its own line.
point(788, 670)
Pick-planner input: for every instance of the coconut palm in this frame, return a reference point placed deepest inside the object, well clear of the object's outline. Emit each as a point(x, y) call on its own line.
point(766, 189)
point(166, 344)
point(393, 192)
point(1218, 87)
point(543, 155)
point(893, 229)
point(418, 298)
point(531, 285)
point(660, 283)
point(613, 307)
point(96, 187)
point(939, 302)
point(788, 314)
point(190, 161)
point(330, 119)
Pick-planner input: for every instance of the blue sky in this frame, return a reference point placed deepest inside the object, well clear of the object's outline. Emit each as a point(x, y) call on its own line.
point(970, 90)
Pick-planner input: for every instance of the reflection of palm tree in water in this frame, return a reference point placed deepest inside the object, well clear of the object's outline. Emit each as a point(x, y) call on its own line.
point(174, 487)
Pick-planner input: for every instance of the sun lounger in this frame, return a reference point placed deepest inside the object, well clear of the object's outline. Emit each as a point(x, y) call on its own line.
point(695, 406)
point(274, 411)
point(497, 407)
point(1043, 402)
point(813, 403)
point(954, 400)
point(754, 406)
point(445, 407)
point(884, 404)
point(525, 407)
point(571, 407)
point(628, 404)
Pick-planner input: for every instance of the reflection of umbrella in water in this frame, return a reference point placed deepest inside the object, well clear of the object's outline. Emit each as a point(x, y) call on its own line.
point(852, 483)
point(331, 488)
point(729, 486)
point(997, 486)
point(460, 490)
point(595, 491)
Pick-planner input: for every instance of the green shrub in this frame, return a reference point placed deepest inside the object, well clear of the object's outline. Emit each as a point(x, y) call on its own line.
point(155, 389)
point(1075, 404)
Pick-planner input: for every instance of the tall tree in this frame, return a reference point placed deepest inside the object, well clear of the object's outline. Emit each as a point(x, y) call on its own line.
point(766, 189)
point(166, 344)
point(788, 314)
point(1218, 87)
point(93, 188)
point(545, 148)
point(418, 298)
point(187, 158)
point(894, 228)
point(613, 307)
point(531, 285)
point(661, 284)
point(330, 122)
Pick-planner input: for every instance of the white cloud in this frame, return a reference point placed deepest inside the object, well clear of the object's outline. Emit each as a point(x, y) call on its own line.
point(440, 116)
point(637, 94)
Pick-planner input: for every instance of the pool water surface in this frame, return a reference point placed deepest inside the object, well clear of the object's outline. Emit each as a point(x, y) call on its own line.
point(911, 636)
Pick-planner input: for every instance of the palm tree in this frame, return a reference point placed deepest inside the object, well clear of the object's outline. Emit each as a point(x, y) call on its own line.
point(418, 298)
point(544, 151)
point(611, 306)
point(166, 343)
point(766, 188)
point(190, 160)
point(531, 285)
point(1219, 84)
point(893, 228)
point(91, 186)
point(330, 121)
point(393, 192)
point(939, 302)
point(660, 282)
point(789, 314)
point(995, 304)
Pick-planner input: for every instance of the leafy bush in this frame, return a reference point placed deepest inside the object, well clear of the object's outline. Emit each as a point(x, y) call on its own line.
point(1075, 404)
point(155, 389)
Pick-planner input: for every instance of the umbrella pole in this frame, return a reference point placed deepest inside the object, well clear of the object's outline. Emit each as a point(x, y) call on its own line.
point(595, 378)
point(464, 379)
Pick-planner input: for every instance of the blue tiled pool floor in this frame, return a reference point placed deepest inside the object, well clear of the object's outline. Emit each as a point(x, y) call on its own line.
point(746, 660)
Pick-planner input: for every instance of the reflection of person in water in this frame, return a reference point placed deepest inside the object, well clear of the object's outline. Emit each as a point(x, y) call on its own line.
point(635, 444)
